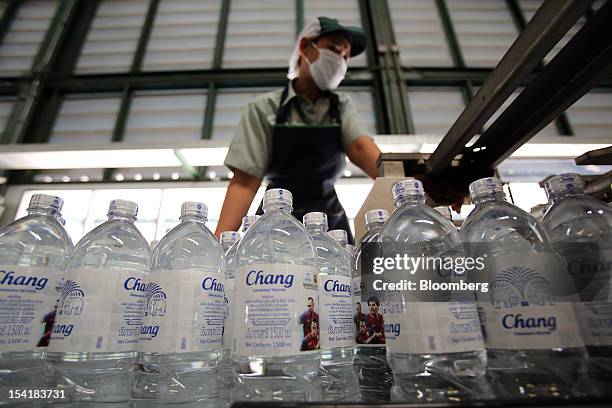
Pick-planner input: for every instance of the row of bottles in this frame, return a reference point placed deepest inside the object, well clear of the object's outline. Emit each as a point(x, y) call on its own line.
point(287, 313)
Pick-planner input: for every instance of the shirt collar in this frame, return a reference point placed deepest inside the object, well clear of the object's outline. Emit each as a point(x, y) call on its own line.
point(291, 93)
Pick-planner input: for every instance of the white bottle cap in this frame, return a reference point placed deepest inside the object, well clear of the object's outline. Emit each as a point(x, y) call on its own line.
point(278, 196)
point(409, 188)
point(229, 238)
point(569, 183)
point(194, 209)
point(340, 236)
point(248, 221)
point(444, 211)
point(486, 187)
point(315, 218)
point(378, 215)
point(123, 208)
point(46, 201)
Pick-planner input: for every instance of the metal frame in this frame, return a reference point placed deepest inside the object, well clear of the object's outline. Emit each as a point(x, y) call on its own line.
point(40, 93)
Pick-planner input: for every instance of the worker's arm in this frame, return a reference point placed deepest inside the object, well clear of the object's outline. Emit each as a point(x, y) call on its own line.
point(363, 152)
point(238, 198)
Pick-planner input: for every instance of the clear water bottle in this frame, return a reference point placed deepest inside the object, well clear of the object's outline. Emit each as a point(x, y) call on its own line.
point(180, 339)
point(248, 221)
point(229, 243)
point(533, 345)
point(99, 315)
point(375, 376)
point(581, 230)
point(438, 351)
point(275, 353)
point(444, 211)
point(33, 253)
point(337, 333)
point(341, 236)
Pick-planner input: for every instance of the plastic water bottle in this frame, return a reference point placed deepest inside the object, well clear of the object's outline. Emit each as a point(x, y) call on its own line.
point(229, 243)
point(581, 230)
point(337, 339)
point(275, 353)
point(100, 310)
point(180, 339)
point(248, 221)
point(341, 236)
point(375, 376)
point(445, 212)
point(438, 352)
point(533, 345)
point(33, 253)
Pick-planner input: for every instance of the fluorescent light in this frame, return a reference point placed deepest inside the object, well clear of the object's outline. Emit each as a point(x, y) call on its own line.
point(119, 177)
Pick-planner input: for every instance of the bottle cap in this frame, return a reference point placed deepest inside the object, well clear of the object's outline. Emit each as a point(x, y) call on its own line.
point(123, 208)
point(248, 221)
point(315, 218)
point(378, 215)
point(486, 187)
point(340, 236)
point(409, 188)
point(569, 183)
point(229, 238)
point(46, 201)
point(278, 196)
point(444, 211)
point(194, 209)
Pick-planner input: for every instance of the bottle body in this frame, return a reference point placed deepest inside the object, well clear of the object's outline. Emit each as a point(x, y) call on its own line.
point(33, 254)
point(580, 228)
point(430, 359)
point(523, 360)
point(337, 334)
point(276, 358)
point(93, 345)
point(180, 342)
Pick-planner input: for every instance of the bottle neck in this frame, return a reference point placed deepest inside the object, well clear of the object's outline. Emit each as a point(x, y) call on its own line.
point(487, 199)
point(277, 206)
point(44, 211)
point(409, 200)
point(566, 194)
point(192, 218)
point(121, 217)
point(374, 225)
point(316, 229)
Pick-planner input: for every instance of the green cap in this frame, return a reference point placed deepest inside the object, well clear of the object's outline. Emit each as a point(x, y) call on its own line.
point(355, 34)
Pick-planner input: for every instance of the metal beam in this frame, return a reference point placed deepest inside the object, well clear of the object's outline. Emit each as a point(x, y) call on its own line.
point(548, 25)
point(7, 17)
point(299, 16)
point(573, 72)
point(221, 32)
point(145, 34)
point(449, 32)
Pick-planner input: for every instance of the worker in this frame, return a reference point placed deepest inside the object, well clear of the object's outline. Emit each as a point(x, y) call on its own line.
point(297, 137)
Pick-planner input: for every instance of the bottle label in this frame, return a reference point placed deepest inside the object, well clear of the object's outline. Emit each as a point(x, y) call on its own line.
point(438, 327)
point(184, 312)
point(595, 319)
point(27, 307)
point(228, 325)
point(525, 308)
point(99, 310)
point(336, 300)
point(375, 323)
point(277, 306)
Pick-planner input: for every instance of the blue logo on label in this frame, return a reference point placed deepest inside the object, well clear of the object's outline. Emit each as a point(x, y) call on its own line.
point(10, 278)
point(155, 300)
point(336, 286)
point(519, 286)
point(71, 299)
point(135, 284)
point(259, 278)
point(511, 321)
point(212, 284)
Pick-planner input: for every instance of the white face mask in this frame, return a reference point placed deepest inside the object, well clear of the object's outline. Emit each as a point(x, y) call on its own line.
point(328, 70)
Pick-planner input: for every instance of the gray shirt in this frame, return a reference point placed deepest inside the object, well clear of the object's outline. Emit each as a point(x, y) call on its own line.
point(251, 147)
